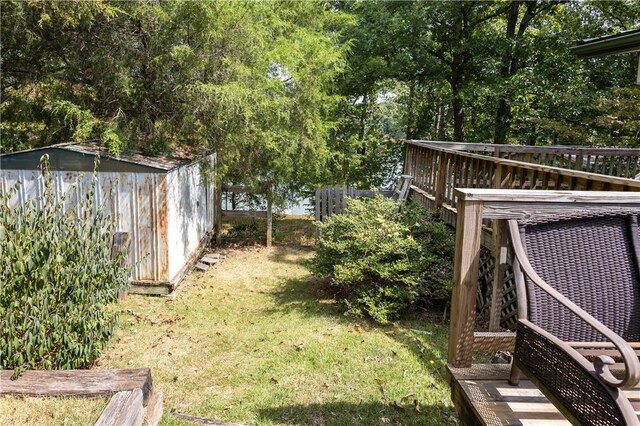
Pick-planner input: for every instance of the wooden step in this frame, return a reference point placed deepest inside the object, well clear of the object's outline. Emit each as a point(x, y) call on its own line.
point(124, 408)
point(202, 266)
point(210, 259)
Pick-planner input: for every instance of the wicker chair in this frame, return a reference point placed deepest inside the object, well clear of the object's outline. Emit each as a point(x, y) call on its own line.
point(578, 284)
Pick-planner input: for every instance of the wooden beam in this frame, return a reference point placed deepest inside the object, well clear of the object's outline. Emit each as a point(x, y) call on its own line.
point(153, 410)
point(262, 214)
point(542, 196)
point(459, 155)
point(553, 149)
point(76, 382)
point(465, 283)
point(124, 408)
point(500, 250)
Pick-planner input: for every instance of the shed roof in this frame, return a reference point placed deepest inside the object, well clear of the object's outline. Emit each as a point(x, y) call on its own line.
point(623, 42)
point(81, 156)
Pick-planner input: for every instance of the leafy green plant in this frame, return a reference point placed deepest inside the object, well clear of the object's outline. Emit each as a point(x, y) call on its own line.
point(383, 261)
point(58, 279)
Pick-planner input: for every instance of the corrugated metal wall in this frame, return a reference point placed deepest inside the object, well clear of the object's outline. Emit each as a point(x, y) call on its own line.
point(133, 200)
point(191, 209)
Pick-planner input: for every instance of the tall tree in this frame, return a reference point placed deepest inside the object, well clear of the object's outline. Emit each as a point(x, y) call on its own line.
point(517, 23)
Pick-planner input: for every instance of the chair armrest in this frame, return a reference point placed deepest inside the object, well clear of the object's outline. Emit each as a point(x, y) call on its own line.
point(601, 364)
point(569, 380)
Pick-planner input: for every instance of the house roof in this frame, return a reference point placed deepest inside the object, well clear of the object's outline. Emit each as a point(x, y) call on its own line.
point(81, 157)
point(623, 42)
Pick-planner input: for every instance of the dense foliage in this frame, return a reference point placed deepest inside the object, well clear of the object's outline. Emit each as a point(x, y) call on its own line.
point(294, 94)
point(483, 71)
point(249, 79)
point(382, 261)
point(58, 278)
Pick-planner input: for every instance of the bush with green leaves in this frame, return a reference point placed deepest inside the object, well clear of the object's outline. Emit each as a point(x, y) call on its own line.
point(383, 261)
point(58, 278)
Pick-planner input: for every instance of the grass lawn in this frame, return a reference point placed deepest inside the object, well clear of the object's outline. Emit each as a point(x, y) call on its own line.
point(256, 340)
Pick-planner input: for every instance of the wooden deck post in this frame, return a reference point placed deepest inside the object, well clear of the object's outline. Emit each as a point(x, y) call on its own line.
point(441, 181)
point(500, 242)
point(465, 282)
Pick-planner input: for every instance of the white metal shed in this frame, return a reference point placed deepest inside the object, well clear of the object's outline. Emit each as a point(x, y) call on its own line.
point(165, 203)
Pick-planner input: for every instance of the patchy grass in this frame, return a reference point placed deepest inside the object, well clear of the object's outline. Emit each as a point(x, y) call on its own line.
point(15, 411)
point(257, 341)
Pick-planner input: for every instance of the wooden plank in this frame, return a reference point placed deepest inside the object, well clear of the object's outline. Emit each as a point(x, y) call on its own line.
point(465, 282)
point(541, 196)
point(210, 259)
point(76, 382)
point(504, 149)
point(517, 210)
point(204, 420)
point(458, 155)
point(500, 249)
point(262, 214)
point(441, 182)
point(124, 409)
point(201, 266)
point(154, 409)
point(482, 396)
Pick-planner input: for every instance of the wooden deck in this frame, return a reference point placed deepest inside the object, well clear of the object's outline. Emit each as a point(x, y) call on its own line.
point(483, 396)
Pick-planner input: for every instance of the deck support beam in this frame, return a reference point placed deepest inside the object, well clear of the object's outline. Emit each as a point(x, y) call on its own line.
point(465, 283)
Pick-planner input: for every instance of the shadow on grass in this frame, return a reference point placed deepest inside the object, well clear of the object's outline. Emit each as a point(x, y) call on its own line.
point(287, 254)
point(343, 413)
point(425, 335)
point(308, 296)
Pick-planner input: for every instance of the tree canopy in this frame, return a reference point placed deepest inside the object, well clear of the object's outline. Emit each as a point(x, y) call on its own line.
point(249, 79)
point(294, 94)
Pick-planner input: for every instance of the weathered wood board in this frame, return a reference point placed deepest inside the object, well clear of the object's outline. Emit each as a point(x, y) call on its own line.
point(153, 410)
point(201, 266)
point(76, 382)
point(210, 259)
point(483, 396)
point(124, 409)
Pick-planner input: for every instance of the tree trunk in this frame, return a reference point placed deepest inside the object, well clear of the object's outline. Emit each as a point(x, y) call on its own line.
point(363, 119)
point(503, 111)
point(444, 116)
point(410, 109)
point(269, 218)
point(458, 118)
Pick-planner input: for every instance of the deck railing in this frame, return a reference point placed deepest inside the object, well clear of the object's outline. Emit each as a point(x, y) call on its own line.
point(439, 168)
point(620, 162)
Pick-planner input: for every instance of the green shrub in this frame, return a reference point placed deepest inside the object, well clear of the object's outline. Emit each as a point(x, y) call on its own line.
point(382, 261)
point(58, 278)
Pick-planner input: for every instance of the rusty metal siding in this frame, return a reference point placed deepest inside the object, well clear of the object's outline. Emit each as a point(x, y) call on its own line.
point(133, 200)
